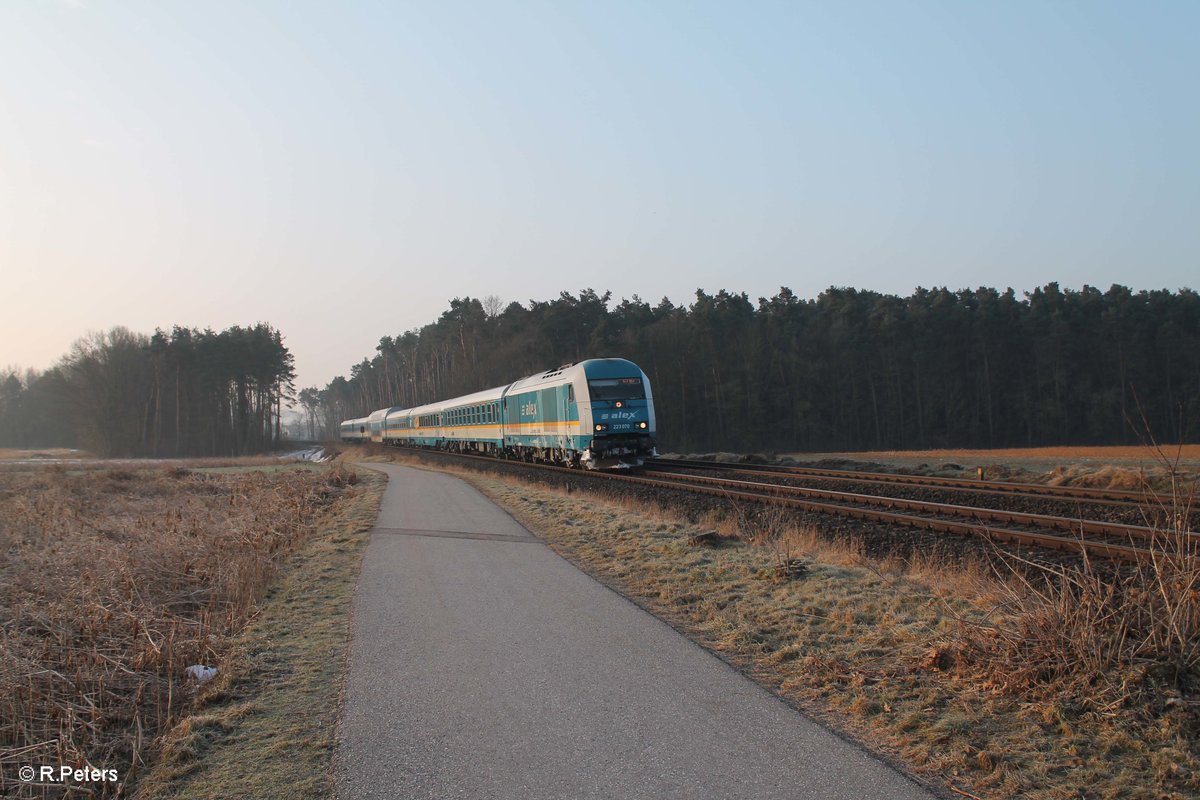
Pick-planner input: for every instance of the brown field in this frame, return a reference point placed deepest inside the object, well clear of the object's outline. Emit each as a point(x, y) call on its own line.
point(1105, 452)
point(1037, 458)
point(983, 684)
point(1169, 469)
point(114, 581)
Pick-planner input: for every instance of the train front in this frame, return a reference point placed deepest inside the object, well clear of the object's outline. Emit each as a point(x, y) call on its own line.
point(622, 414)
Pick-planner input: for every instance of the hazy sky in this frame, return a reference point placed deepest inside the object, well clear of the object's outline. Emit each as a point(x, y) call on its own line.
point(341, 170)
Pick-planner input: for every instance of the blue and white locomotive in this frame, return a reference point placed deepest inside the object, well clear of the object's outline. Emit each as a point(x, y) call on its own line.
point(597, 414)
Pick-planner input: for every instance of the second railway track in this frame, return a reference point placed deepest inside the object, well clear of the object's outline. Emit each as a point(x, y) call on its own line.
point(1114, 540)
point(1113, 497)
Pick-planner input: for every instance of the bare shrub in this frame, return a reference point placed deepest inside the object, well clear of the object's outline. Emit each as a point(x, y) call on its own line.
point(1102, 633)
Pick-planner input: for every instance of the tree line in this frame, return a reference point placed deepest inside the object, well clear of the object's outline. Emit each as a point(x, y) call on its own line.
point(849, 370)
point(185, 393)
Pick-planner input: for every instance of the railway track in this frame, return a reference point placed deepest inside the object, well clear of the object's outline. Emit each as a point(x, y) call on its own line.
point(1113, 497)
point(1065, 534)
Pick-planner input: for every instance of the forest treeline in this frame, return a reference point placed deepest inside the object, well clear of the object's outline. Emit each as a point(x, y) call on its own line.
point(187, 392)
point(849, 370)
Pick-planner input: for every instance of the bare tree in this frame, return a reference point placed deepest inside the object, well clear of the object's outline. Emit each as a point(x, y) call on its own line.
point(492, 306)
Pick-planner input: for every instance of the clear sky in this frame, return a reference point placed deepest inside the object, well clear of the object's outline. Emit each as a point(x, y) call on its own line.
point(342, 169)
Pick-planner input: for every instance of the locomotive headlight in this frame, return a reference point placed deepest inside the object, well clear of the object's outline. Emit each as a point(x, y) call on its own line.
point(600, 426)
point(619, 404)
point(643, 424)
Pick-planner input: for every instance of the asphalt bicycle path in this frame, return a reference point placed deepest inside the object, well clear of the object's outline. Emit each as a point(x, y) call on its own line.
point(483, 665)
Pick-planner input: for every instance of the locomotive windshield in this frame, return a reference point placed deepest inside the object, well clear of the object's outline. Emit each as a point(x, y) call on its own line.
point(617, 389)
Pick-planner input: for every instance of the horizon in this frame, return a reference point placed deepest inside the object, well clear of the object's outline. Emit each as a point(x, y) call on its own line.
point(293, 409)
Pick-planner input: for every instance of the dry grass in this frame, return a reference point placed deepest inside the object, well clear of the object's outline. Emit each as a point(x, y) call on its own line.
point(890, 652)
point(1190, 452)
point(265, 728)
point(113, 582)
point(1131, 468)
point(11, 454)
point(1114, 644)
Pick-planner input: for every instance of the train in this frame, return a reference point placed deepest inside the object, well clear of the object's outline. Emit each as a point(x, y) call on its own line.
point(595, 414)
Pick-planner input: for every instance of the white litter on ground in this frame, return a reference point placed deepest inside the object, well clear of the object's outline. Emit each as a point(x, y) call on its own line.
point(200, 673)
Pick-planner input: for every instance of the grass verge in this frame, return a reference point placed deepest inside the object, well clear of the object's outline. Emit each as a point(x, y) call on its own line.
point(880, 650)
point(265, 728)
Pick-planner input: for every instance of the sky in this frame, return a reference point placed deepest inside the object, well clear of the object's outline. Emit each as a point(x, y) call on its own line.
point(342, 170)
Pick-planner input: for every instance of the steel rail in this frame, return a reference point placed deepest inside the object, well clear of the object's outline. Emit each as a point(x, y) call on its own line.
point(1044, 540)
point(1034, 489)
point(1099, 527)
point(917, 482)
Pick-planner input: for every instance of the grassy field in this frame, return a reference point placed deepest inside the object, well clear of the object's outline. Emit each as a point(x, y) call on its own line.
point(1118, 466)
point(1112, 467)
point(1108, 453)
point(115, 580)
point(968, 678)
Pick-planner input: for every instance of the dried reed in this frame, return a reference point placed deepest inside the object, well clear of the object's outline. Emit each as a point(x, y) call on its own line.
point(112, 583)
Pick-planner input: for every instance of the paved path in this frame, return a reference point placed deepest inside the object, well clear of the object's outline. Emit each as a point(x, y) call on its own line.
point(485, 666)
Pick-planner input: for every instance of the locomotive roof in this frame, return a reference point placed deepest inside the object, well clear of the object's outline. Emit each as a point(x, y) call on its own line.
point(591, 368)
point(610, 368)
